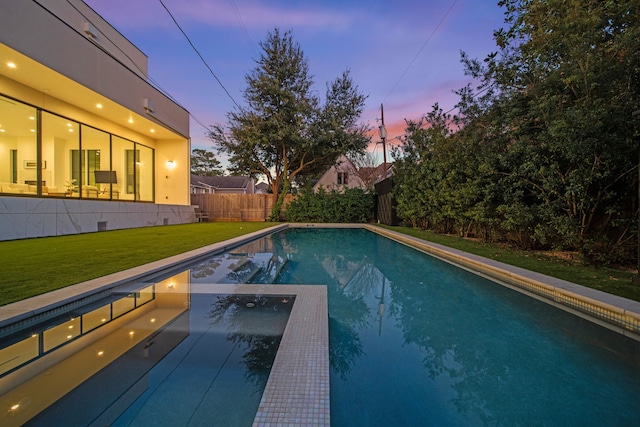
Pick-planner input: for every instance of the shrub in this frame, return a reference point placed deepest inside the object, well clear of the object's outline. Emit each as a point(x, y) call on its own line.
point(354, 205)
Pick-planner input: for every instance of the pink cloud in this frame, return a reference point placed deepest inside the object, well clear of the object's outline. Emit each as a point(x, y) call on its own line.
point(132, 14)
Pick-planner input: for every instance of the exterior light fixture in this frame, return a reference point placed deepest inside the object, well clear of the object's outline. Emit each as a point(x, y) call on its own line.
point(171, 164)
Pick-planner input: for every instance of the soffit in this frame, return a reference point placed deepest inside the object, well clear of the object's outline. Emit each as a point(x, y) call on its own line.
point(53, 84)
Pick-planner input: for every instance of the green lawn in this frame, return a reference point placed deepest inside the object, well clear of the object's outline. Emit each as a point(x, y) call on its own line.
point(35, 266)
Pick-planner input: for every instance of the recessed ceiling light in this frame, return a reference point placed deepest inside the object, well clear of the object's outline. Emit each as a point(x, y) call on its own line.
point(98, 105)
point(130, 119)
point(11, 64)
point(153, 130)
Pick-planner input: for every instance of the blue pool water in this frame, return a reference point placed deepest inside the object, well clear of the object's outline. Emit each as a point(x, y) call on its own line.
point(217, 375)
point(203, 360)
point(415, 341)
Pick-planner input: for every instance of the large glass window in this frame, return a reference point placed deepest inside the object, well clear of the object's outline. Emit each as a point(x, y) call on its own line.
point(72, 159)
point(60, 142)
point(18, 148)
point(146, 167)
point(123, 164)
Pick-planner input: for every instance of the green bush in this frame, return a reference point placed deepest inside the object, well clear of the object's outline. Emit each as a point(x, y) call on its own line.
point(353, 205)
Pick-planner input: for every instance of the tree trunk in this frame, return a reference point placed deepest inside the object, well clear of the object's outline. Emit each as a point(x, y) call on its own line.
point(277, 206)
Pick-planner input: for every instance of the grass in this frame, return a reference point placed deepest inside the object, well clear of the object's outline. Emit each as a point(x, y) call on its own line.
point(34, 266)
point(610, 280)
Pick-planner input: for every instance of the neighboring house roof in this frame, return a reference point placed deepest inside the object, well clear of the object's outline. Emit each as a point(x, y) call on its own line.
point(364, 177)
point(235, 184)
point(262, 188)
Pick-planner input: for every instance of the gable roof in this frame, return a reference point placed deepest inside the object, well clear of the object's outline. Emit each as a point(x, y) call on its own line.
point(220, 182)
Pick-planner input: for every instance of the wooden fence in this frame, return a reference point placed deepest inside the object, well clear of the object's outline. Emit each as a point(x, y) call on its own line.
point(237, 207)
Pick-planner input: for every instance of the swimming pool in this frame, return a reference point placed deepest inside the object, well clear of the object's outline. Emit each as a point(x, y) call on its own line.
point(417, 341)
point(160, 352)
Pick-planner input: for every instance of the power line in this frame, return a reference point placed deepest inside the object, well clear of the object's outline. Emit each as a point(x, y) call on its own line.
point(244, 28)
point(143, 72)
point(199, 55)
point(420, 50)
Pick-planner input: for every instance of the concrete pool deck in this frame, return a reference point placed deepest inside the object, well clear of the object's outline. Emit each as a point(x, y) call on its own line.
point(298, 391)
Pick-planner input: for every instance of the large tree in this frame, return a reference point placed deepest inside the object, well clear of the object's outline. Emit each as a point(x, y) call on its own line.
point(285, 131)
point(547, 154)
point(204, 163)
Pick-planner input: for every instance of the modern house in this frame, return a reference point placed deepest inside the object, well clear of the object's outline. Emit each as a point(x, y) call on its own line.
point(222, 185)
point(87, 143)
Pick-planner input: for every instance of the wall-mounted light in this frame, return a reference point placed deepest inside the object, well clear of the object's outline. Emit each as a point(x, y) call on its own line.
point(171, 164)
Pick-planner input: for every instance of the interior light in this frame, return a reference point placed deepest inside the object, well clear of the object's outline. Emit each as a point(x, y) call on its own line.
point(1, 130)
point(15, 407)
point(153, 320)
point(100, 353)
point(104, 320)
point(152, 130)
point(71, 327)
point(69, 337)
point(98, 105)
point(31, 118)
point(131, 333)
point(11, 64)
point(71, 130)
point(32, 130)
point(130, 119)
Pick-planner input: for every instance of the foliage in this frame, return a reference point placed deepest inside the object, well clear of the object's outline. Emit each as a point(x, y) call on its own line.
point(204, 163)
point(354, 205)
point(544, 153)
point(284, 132)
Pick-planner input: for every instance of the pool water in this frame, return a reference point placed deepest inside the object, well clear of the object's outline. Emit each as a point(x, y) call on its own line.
point(415, 341)
point(217, 375)
point(167, 354)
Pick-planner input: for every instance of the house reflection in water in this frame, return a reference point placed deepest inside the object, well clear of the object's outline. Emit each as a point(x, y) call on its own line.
point(94, 358)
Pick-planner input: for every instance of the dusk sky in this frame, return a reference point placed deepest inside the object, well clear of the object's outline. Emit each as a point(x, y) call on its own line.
point(403, 54)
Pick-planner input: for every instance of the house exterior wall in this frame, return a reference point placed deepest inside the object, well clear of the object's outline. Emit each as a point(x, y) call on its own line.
point(329, 180)
point(68, 59)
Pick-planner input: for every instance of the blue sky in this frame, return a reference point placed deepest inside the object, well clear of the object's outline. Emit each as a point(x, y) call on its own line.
point(403, 54)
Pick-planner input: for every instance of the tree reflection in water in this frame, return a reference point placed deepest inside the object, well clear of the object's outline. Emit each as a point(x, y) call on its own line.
point(256, 324)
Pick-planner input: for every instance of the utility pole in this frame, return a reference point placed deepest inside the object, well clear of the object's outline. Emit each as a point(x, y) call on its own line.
point(636, 279)
point(383, 136)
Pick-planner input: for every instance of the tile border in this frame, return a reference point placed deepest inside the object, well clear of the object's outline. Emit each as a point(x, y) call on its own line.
point(297, 391)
